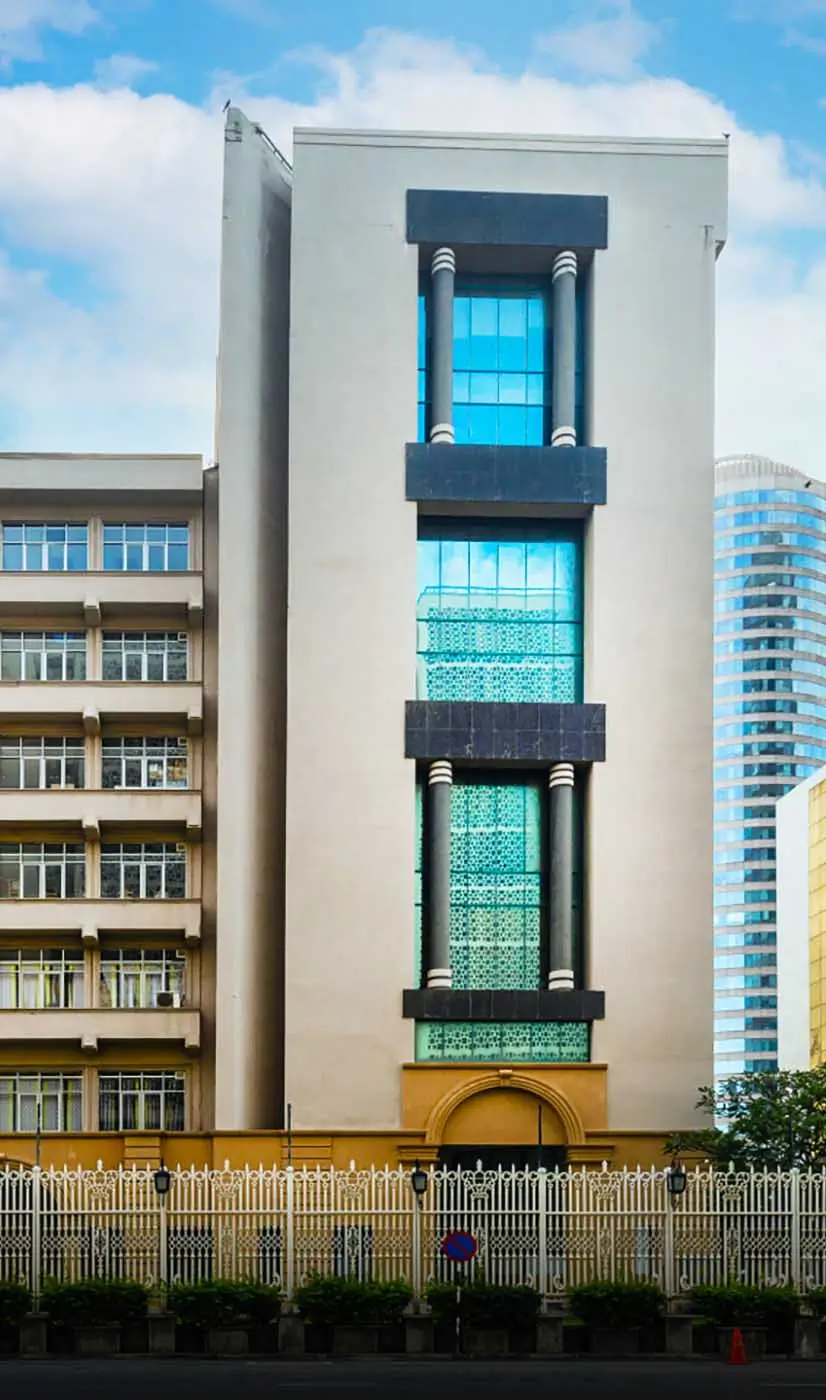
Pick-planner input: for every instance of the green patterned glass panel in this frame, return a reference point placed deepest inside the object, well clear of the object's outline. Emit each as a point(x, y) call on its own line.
point(495, 885)
point(499, 615)
point(553, 1041)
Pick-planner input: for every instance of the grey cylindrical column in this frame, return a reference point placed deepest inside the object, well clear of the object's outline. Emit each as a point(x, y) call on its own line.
point(563, 400)
point(439, 785)
point(443, 276)
point(561, 951)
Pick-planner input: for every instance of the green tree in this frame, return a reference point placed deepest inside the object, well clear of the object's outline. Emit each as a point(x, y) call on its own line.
point(774, 1119)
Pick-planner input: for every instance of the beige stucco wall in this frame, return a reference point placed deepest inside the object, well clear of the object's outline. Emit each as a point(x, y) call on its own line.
point(349, 922)
point(251, 438)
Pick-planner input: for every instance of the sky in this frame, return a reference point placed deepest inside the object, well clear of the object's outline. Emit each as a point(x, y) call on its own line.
point(110, 177)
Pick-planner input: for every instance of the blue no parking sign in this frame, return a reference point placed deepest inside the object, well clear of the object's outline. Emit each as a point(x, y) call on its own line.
point(460, 1246)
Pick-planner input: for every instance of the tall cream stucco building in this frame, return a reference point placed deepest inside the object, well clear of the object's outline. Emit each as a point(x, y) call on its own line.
point(448, 832)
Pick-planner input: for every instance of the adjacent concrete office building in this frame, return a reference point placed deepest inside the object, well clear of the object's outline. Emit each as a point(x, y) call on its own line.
point(101, 779)
point(456, 858)
point(770, 728)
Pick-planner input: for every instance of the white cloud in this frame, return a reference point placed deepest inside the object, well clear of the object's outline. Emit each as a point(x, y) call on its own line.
point(128, 188)
point(22, 20)
point(122, 70)
point(610, 45)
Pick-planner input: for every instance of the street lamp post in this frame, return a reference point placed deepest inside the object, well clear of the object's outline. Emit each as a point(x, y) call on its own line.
point(419, 1184)
point(676, 1180)
point(162, 1181)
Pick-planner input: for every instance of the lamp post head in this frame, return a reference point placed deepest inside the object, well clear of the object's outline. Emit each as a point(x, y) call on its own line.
point(676, 1179)
point(162, 1180)
point(418, 1180)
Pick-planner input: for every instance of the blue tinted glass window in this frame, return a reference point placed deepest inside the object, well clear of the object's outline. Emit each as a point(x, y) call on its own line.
point(771, 559)
point(813, 539)
point(741, 518)
point(501, 366)
point(45, 548)
point(146, 548)
point(502, 338)
point(753, 498)
point(499, 614)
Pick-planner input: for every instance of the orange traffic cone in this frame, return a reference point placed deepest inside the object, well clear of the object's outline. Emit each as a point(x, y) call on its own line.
point(737, 1354)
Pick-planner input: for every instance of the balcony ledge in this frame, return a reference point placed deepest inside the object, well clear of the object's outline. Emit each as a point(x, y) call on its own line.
point(87, 1027)
point(94, 597)
point(458, 1004)
point(466, 474)
point(92, 703)
point(93, 808)
point(89, 918)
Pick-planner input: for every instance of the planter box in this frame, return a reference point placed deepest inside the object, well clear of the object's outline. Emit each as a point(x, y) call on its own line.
point(615, 1341)
point(550, 1339)
point(419, 1334)
point(355, 1340)
point(754, 1341)
point(292, 1335)
point(161, 1334)
point(808, 1338)
point(227, 1341)
point(576, 1339)
point(102, 1340)
point(485, 1341)
point(679, 1334)
point(33, 1334)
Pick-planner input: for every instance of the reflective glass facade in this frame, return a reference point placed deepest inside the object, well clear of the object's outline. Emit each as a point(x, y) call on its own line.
point(502, 345)
point(499, 613)
point(499, 618)
point(770, 729)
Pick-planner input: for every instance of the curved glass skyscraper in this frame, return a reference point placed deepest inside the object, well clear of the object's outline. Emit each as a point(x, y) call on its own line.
point(769, 723)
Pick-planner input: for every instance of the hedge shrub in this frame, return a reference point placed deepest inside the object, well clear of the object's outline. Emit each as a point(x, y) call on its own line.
point(746, 1305)
point(224, 1303)
point(617, 1303)
point(15, 1302)
point(330, 1301)
point(510, 1307)
point(95, 1302)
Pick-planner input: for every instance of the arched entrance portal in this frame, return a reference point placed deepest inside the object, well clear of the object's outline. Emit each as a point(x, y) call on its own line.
point(506, 1120)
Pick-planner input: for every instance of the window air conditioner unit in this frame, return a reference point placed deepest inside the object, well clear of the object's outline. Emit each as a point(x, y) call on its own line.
point(168, 999)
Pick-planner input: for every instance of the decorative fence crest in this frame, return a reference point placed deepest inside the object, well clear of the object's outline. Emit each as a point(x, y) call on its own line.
point(549, 1229)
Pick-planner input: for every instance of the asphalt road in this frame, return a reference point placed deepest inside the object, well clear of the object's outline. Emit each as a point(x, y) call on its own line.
point(180, 1379)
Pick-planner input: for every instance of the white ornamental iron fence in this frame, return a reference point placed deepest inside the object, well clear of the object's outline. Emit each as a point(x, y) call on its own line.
point(548, 1229)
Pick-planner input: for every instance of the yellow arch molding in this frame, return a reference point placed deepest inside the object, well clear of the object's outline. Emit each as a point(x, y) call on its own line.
point(504, 1079)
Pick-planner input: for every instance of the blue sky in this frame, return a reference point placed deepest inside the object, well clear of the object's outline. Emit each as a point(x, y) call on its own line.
point(110, 150)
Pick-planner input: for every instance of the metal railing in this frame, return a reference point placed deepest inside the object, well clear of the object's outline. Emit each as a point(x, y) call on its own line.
point(548, 1229)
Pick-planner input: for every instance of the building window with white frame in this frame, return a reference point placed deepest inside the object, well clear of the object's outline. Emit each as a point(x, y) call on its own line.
point(46, 1101)
point(42, 870)
point(40, 979)
point(143, 870)
point(145, 656)
point(41, 762)
point(152, 549)
point(153, 1101)
point(42, 656)
point(44, 548)
point(145, 763)
point(132, 978)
